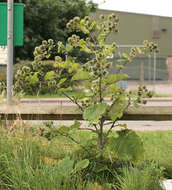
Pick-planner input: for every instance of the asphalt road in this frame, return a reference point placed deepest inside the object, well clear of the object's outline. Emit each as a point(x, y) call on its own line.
point(135, 125)
point(66, 102)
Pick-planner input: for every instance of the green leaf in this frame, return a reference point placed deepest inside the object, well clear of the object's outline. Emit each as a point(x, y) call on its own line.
point(34, 79)
point(64, 129)
point(69, 48)
point(81, 75)
point(113, 88)
point(80, 94)
point(121, 60)
point(113, 78)
point(81, 165)
point(61, 82)
point(126, 56)
point(117, 109)
point(139, 50)
point(94, 112)
point(128, 145)
point(65, 167)
point(76, 125)
point(92, 25)
point(64, 89)
point(120, 66)
point(49, 75)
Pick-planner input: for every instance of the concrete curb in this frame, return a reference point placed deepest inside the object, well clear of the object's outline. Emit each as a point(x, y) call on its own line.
point(54, 100)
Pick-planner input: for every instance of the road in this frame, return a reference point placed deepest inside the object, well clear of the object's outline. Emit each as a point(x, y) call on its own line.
point(135, 125)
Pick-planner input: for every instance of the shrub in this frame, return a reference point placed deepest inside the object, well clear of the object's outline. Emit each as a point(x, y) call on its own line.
point(2, 82)
point(32, 78)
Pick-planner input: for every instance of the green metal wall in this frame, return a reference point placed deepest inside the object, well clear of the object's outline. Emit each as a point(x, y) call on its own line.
point(18, 24)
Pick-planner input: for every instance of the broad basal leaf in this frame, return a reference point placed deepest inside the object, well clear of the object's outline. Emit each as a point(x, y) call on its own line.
point(94, 112)
point(65, 167)
point(81, 165)
point(128, 145)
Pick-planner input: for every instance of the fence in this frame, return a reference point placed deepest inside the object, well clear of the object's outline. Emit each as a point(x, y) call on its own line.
point(146, 68)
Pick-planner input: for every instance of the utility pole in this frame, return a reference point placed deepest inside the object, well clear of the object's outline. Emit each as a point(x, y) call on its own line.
point(10, 47)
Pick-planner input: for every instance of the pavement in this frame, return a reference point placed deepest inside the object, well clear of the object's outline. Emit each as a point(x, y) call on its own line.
point(159, 87)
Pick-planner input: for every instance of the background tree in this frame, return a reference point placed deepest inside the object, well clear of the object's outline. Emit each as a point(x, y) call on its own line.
point(45, 19)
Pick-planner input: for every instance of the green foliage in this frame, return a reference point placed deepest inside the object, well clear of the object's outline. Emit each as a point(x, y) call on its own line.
point(29, 161)
point(2, 82)
point(94, 76)
point(117, 108)
point(94, 112)
point(147, 178)
point(127, 145)
point(51, 16)
point(41, 78)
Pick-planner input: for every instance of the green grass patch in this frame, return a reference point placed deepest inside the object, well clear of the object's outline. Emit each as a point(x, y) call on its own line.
point(158, 145)
point(29, 161)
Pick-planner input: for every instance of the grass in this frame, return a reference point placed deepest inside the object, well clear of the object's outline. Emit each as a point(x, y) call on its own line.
point(73, 93)
point(28, 161)
point(158, 145)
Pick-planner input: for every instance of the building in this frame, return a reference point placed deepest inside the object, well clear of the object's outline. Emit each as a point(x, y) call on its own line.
point(133, 30)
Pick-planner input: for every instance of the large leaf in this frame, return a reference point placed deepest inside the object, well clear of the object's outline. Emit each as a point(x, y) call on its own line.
point(81, 75)
point(65, 167)
point(117, 109)
point(81, 165)
point(113, 78)
point(94, 112)
point(128, 145)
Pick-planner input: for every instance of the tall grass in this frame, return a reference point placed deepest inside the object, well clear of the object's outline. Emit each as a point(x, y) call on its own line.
point(30, 162)
point(139, 179)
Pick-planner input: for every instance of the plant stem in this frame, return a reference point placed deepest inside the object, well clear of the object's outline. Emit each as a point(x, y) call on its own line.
point(89, 129)
point(74, 101)
point(100, 89)
point(101, 143)
point(112, 126)
point(75, 141)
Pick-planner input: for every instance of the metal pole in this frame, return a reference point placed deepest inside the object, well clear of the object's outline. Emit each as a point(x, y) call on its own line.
point(66, 56)
point(154, 76)
point(10, 47)
point(149, 68)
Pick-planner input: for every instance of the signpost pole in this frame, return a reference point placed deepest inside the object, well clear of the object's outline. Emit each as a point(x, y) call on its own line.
point(10, 47)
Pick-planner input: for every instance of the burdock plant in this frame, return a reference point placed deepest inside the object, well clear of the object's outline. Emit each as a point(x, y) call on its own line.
point(95, 78)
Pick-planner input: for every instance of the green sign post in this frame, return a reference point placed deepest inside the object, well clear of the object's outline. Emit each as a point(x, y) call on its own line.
point(18, 20)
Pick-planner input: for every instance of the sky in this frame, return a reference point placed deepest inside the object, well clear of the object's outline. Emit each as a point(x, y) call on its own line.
point(151, 7)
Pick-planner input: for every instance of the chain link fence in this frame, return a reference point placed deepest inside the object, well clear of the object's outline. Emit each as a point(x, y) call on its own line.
point(142, 68)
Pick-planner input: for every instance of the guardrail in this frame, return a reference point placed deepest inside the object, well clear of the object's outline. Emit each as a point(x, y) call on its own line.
point(44, 112)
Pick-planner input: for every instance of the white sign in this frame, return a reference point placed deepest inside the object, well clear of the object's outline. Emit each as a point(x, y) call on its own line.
point(3, 55)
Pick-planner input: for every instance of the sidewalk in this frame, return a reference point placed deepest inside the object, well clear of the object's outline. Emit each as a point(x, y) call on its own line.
point(161, 88)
